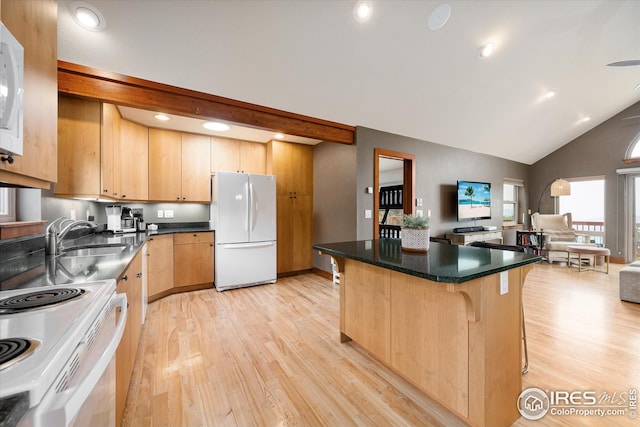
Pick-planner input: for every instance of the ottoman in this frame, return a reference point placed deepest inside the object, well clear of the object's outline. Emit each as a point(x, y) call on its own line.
point(630, 284)
point(588, 251)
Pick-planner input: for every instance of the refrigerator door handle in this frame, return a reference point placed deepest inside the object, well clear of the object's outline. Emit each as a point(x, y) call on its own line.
point(254, 206)
point(247, 193)
point(247, 245)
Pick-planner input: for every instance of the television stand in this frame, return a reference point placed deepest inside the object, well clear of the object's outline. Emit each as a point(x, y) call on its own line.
point(494, 236)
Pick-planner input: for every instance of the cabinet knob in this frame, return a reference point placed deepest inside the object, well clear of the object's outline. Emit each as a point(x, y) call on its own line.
point(105, 191)
point(124, 195)
point(178, 198)
point(150, 238)
point(139, 275)
point(126, 277)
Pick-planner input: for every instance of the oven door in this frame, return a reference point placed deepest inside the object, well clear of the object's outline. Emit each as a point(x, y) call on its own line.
point(84, 392)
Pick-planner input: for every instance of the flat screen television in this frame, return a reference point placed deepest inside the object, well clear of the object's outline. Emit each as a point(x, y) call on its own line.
point(474, 200)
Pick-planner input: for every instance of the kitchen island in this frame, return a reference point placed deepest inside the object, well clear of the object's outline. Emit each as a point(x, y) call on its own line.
point(449, 321)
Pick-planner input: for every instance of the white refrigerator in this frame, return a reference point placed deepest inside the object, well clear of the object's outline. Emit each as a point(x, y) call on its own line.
point(243, 215)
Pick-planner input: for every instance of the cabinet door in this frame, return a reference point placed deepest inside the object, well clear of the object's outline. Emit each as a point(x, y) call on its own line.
point(253, 157)
point(193, 264)
point(159, 264)
point(302, 169)
point(123, 360)
point(133, 161)
point(196, 170)
point(34, 25)
point(110, 140)
point(281, 153)
point(302, 233)
point(225, 155)
point(134, 296)
point(284, 209)
point(165, 165)
point(79, 147)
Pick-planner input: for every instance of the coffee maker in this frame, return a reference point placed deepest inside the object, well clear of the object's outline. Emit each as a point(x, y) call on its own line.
point(119, 219)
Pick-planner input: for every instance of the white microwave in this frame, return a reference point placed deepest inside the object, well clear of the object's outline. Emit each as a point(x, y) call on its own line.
point(11, 93)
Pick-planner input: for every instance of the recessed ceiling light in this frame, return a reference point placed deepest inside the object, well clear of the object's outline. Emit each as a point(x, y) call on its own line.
point(637, 87)
point(486, 50)
point(550, 93)
point(87, 16)
point(162, 117)
point(278, 136)
point(217, 126)
point(439, 16)
point(363, 10)
point(585, 119)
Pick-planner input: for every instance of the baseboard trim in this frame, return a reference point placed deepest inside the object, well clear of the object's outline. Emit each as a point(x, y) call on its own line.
point(327, 275)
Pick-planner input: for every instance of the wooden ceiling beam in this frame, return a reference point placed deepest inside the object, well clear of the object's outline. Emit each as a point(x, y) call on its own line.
point(93, 83)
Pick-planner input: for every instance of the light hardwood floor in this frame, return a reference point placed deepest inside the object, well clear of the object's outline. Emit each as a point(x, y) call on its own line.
point(271, 356)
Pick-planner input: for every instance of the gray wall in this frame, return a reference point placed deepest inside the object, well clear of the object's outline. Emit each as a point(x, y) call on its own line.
point(342, 174)
point(599, 152)
point(437, 170)
point(334, 204)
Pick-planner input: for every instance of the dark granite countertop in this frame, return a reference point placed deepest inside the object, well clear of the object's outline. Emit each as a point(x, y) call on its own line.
point(23, 264)
point(442, 263)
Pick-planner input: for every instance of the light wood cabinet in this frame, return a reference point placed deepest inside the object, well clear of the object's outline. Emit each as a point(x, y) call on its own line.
point(230, 155)
point(193, 259)
point(110, 133)
point(293, 166)
point(179, 166)
point(159, 265)
point(78, 147)
point(34, 24)
point(99, 154)
point(131, 285)
point(132, 159)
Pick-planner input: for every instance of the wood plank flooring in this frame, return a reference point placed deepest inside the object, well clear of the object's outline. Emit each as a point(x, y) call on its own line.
point(271, 356)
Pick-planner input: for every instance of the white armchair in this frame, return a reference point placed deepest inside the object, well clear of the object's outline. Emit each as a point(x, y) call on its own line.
point(558, 233)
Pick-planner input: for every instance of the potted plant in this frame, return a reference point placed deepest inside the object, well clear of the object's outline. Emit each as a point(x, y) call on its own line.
point(415, 233)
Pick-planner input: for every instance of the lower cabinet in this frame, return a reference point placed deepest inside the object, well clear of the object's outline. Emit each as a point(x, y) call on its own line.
point(193, 259)
point(131, 285)
point(159, 265)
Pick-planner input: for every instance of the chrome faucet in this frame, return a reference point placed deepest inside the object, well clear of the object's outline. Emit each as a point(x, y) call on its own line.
point(54, 238)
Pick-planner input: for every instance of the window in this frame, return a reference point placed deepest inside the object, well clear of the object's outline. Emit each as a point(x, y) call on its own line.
point(7, 204)
point(586, 205)
point(634, 149)
point(510, 200)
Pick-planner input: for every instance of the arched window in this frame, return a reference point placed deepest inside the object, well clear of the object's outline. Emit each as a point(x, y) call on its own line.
point(633, 152)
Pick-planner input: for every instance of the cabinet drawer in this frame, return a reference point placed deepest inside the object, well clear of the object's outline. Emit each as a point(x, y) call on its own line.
point(187, 238)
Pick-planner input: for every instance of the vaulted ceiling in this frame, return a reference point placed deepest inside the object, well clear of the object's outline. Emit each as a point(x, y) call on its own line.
point(391, 72)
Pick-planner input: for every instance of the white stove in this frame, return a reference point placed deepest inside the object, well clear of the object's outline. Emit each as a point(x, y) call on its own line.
point(67, 348)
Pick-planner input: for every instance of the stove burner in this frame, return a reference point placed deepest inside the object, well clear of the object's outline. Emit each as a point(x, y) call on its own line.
point(39, 299)
point(14, 349)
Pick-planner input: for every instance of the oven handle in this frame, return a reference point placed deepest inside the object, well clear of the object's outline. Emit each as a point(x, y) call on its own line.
point(74, 401)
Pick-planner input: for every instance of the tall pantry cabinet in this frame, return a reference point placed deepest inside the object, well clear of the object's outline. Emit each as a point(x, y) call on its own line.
point(292, 164)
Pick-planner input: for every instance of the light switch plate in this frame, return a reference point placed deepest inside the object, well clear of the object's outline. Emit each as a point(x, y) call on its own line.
point(160, 213)
point(367, 213)
point(168, 213)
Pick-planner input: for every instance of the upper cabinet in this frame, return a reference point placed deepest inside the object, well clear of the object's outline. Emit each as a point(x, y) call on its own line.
point(99, 154)
point(132, 160)
point(230, 155)
point(34, 24)
point(179, 169)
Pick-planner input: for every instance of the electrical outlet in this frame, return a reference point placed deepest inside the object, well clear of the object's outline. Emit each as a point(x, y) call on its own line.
point(367, 213)
point(428, 213)
point(160, 213)
point(168, 213)
point(419, 212)
point(419, 202)
point(72, 214)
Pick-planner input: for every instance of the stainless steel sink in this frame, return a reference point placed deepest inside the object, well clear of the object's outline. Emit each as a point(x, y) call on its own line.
point(97, 250)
